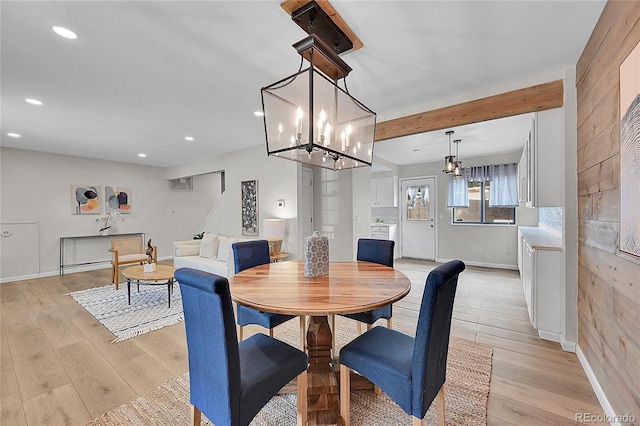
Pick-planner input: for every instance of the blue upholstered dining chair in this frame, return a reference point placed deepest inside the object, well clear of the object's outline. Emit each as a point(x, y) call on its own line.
point(230, 382)
point(411, 371)
point(246, 255)
point(375, 251)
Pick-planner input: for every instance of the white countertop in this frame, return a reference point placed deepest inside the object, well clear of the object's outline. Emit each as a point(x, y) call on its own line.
point(540, 239)
point(384, 224)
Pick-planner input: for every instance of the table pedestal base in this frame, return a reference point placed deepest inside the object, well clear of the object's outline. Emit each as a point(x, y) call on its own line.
point(323, 394)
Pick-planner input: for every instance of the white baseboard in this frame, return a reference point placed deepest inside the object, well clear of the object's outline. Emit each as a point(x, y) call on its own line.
point(67, 270)
point(483, 264)
point(568, 345)
point(602, 398)
point(548, 335)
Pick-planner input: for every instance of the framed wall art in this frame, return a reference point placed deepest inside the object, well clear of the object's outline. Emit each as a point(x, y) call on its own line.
point(249, 196)
point(630, 153)
point(86, 199)
point(117, 198)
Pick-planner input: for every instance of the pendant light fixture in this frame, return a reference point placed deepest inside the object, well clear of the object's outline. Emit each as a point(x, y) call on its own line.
point(307, 117)
point(457, 165)
point(449, 160)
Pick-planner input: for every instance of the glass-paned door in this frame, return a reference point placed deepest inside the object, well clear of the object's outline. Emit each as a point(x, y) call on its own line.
point(418, 224)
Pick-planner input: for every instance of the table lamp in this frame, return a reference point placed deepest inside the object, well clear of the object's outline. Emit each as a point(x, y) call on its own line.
point(273, 231)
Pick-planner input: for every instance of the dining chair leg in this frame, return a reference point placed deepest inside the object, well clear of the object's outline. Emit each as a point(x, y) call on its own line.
point(440, 406)
point(369, 327)
point(359, 328)
point(303, 331)
point(196, 416)
point(345, 390)
point(240, 333)
point(302, 399)
point(117, 276)
point(416, 421)
point(389, 323)
point(271, 332)
point(377, 390)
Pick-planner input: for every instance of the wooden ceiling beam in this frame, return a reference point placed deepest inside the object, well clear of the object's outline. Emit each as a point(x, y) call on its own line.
point(535, 98)
point(290, 5)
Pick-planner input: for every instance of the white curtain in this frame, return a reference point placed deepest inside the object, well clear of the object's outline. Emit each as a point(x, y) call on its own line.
point(504, 182)
point(458, 195)
point(425, 195)
point(504, 185)
point(412, 195)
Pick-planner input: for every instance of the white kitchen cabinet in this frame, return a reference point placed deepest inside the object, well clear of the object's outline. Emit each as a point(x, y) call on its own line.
point(381, 231)
point(542, 161)
point(542, 273)
point(384, 191)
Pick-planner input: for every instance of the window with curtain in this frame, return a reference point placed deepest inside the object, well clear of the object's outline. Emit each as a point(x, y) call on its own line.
point(485, 194)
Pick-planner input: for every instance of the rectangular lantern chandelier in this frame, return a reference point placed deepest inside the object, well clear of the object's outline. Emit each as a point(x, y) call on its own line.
point(307, 117)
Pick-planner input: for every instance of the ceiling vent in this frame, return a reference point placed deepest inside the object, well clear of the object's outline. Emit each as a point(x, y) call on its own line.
point(182, 184)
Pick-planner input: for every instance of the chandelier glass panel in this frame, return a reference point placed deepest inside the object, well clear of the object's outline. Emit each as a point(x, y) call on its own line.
point(325, 127)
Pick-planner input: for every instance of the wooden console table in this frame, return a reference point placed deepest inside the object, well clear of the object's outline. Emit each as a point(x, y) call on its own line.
point(63, 241)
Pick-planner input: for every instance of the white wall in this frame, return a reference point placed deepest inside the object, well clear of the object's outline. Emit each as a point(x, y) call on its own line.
point(333, 210)
point(498, 243)
point(570, 206)
point(361, 190)
point(277, 179)
point(36, 187)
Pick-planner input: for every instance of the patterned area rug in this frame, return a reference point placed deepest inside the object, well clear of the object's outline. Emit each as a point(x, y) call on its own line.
point(466, 392)
point(148, 310)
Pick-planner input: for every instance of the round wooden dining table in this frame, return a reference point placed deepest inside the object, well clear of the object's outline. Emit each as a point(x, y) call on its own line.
point(350, 287)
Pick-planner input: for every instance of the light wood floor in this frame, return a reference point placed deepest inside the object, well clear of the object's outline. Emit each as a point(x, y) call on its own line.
point(58, 367)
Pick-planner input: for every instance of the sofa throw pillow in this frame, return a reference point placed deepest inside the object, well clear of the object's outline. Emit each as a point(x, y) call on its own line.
point(224, 247)
point(187, 250)
point(209, 246)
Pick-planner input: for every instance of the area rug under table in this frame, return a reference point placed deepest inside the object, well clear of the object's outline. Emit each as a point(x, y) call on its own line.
point(466, 392)
point(148, 310)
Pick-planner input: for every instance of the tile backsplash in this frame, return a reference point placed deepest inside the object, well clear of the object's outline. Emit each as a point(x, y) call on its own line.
point(387, 214)
point(551, 217)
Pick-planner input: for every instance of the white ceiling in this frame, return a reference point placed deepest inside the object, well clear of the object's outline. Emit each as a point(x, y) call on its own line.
point(142, 75)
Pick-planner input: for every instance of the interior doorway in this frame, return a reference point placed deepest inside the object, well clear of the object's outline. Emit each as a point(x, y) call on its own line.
point(417, 218)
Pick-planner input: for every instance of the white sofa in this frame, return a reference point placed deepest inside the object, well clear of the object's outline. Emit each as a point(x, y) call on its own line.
point(212, 254)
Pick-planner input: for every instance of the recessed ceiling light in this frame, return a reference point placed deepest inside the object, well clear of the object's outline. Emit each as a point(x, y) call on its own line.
point(33, 101)
point(64, 32)
point(188, 138)
point(14, 135)
point(142, 155)
point(258, 113)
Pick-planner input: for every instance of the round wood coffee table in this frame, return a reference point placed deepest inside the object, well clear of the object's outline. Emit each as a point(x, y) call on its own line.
point(163, 275)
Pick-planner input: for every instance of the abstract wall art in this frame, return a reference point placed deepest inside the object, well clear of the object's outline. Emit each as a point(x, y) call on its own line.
point(117, 198)
point(249, 196)
point(85, 199)
point(630, 153)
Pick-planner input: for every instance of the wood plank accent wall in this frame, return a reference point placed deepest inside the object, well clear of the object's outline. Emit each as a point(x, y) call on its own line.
point(608, 282)
point(530, 99)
